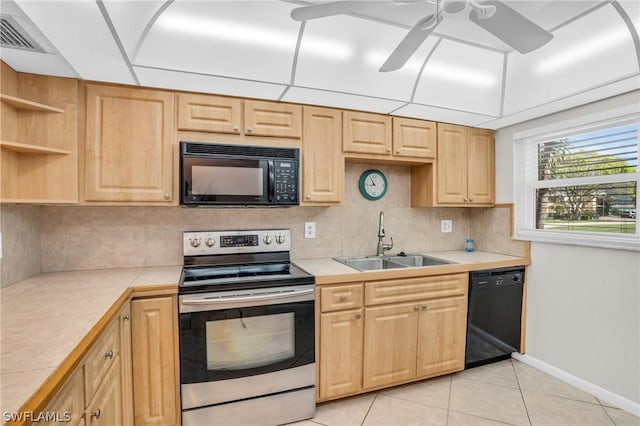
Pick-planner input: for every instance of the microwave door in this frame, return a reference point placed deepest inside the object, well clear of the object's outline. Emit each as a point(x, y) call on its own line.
point(227, 181)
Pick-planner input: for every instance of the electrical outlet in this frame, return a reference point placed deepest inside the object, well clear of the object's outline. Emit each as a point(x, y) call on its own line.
point(446, 225)
point(309, 229)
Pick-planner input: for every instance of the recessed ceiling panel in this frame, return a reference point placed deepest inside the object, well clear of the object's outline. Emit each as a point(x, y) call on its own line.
point(251, 40)
point(343, 54)
point(461, 77)
point(130, 19)
point(79, 32)
point(340, 100)
point(207, 84)
point(425, 112)
point(594, 51)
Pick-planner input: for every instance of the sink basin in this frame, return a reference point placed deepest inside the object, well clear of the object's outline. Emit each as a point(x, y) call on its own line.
point(376, 263)
point(369, 263)
point(418, 260)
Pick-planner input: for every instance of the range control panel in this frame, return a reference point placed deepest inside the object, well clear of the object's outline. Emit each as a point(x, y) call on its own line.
point(196, 243)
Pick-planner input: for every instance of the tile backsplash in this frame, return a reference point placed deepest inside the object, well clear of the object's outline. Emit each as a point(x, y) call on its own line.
point(20, 226)
point(84, 237)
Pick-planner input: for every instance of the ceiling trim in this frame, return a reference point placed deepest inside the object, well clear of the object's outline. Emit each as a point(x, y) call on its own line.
point(424, 64)
point(632, 30)
point(147, 29)
point(116, 38)
point(580, 16)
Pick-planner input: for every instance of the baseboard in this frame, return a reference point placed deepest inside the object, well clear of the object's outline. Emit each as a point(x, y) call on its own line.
point(601, 393)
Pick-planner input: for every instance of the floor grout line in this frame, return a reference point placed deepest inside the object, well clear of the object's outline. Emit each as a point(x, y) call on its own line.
point(449, 399)
point(370, 406)
point(526, 409)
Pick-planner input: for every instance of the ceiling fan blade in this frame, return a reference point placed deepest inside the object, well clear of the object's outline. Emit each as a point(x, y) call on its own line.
point(410, 43)
point(328, 9)
point(512, 28)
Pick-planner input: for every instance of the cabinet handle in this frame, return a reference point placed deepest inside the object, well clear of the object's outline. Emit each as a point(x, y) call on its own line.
point(466, 201)
point(249, 129)
point(125, 317)
point(343, 298)
point(96, 414)
point(470, 199)
point(108, 355)
point(416, 308)
point(388, 149)
point(397, 151)
point(358, 316)
point(424, 307)
point(167, 196)
point(236, 128)
point(308, 197)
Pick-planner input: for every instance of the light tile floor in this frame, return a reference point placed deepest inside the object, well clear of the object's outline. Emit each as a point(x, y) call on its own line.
point(504, 393)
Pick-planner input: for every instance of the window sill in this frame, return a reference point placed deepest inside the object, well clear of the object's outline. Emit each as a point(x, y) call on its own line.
point(615, 242)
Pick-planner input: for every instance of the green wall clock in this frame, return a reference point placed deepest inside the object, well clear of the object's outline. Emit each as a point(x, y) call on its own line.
point(373, 184)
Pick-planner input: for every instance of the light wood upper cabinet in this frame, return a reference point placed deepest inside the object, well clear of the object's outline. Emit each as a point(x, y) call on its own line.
point(414, 138)
point(263, 118)
point(463, 174)
point(155, 361)
point(208, 113)
point(341, 354)
point(366, 133)
point(441, 336)
point(129, 145)
point(389, 345)
point(322, 158)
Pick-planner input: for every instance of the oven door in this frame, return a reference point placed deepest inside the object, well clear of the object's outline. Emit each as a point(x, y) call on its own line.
point(226, 181)
point(245, 343)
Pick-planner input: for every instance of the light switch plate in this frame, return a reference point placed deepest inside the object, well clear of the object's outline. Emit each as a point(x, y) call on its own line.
point(446, 225)
point(309, 229)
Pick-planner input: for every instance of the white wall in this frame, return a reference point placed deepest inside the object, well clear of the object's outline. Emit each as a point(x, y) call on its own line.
point(583, 303)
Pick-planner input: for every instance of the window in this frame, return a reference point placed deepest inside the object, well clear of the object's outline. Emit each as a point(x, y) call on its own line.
point(579, 184)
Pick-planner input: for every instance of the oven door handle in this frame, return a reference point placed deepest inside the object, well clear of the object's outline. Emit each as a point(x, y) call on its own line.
point(213, 301)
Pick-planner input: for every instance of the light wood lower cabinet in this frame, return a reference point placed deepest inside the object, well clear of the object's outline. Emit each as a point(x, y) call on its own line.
point(411, 329)
point(155, 361)
point(96, 392)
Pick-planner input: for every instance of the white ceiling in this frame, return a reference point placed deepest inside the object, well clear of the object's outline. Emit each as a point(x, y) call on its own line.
point(460, 74)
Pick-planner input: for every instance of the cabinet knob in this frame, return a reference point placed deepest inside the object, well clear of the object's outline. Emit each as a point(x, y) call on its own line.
point(108, 355)
point(96, 414)
point(416, 308)
point(249, 129)
point(308, 197)
point(167, 196)
point(236, 128)
point(343, 298)
point(466, 200)
point(125, 317)
point(424, 307)
point(388, 149)
point(471, 199)
point(358, 316)
point(397, 151)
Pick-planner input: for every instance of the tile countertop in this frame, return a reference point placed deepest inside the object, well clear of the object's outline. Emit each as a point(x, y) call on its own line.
point(329, 271)
point(45, 317)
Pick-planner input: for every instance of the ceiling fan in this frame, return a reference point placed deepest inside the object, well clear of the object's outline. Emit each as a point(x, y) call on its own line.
point(494, 16)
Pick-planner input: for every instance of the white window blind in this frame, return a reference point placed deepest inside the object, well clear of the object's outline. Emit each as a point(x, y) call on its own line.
point(579, 185)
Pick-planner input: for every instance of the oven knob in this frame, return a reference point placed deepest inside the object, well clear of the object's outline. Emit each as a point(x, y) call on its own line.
point(210, 242)
point(267, 239)
point(195, 242)
point(280, 239)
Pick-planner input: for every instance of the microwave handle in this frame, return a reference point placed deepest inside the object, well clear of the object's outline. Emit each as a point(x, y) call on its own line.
point(270, 180)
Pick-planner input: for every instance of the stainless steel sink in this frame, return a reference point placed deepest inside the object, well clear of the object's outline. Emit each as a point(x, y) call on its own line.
point(418, 260)
point(376, 263)
point(369, 263)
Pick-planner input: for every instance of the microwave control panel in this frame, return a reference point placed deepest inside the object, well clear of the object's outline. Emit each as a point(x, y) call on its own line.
point(286, 181)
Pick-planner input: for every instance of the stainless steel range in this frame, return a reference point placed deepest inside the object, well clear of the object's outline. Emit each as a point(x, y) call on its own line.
point(247, 330)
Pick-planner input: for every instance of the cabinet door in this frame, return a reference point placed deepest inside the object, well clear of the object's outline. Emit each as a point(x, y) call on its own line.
point(322, 159)
point(366, 133)
point(414, 138)
point(68, 404)
point(390, 344)
point(129, 144)
point(452, 163)
point(154, 349)
point(272, 119)
point(480, 166)
point(340, 353)
point(441, 336)
point(125, 360)
point(106, 406)
point(207, 113)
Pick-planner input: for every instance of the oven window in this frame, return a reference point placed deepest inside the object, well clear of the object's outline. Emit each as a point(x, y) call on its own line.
point(219, 180)
point(242, 343)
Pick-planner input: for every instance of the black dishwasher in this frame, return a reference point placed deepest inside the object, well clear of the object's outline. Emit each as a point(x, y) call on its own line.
point(494, 316)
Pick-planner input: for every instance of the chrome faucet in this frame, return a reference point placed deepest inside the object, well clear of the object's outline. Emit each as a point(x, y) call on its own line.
point(382, 247)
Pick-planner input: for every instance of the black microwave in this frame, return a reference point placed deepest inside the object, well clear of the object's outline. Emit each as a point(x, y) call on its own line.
point(238, 175)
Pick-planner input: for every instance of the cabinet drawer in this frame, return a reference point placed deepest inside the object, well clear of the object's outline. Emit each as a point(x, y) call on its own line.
point(340, 297)
point(392, 291)
point(100, 359)
point(68, 405)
